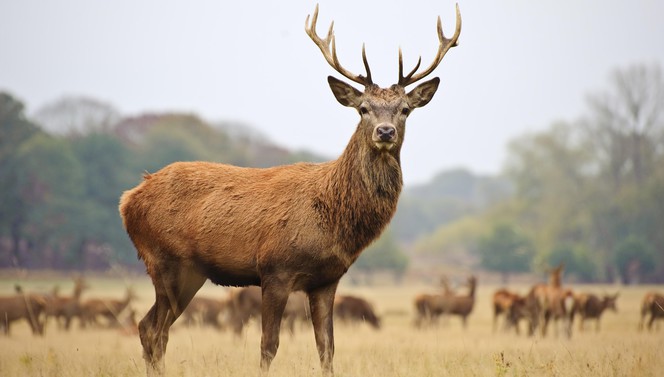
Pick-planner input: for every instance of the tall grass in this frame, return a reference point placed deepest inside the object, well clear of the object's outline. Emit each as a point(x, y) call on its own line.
point(395, 350)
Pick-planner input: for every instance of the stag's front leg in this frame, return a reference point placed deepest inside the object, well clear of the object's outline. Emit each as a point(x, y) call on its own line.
point(321, 302)
point(274, 297)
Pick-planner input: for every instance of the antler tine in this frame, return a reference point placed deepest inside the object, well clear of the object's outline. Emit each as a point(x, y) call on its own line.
point(328, 47)
point(411, 73)
point(443, 47)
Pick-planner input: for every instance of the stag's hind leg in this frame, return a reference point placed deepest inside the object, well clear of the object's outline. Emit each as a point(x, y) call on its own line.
point(175, 285)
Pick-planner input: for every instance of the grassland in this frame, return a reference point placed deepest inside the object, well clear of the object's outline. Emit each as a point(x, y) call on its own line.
point(396, 350)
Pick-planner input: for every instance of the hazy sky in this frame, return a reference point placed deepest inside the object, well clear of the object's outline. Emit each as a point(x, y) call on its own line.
point(520, 65)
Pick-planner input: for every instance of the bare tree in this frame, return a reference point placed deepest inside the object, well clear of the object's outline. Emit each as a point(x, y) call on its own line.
point(627, 123)
point(77, 115)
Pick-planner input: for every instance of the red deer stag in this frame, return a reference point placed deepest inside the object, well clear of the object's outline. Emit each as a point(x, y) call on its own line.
point(22, 305)
point(653, 304)
point(590, 306)
point(352, 309)
point(284, 228)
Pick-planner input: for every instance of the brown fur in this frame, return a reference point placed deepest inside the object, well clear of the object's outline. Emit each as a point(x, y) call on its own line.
point(352, 309)
point(285, 228)
point(590, 306)
point(653, 305)
point(22, 306)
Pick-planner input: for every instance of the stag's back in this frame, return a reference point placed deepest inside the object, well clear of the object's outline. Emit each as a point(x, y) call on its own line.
point(221, 216)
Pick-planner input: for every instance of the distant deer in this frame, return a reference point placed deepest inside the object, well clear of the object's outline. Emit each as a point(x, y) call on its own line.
point(462, 305)
point(353, 309)
point(653, 305)
point(285, 228)
point(205, 311)
point(590, 306)
point(428, 307)
point(511, 306)
point(22, 305)
point(107, 308)
point(246, 304)
point(553, 302)
point(67, 307)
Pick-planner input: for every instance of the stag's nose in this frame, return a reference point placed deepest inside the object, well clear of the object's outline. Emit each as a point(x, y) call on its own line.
point(386, 132)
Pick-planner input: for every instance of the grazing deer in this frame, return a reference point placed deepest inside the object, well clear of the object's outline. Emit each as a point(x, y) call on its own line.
point(352, 309)
point(653, 304)
point(285, 228)
point(67, 307)
point(110, 309)
point(552, 302)
point(590, 306)
point(22, 305)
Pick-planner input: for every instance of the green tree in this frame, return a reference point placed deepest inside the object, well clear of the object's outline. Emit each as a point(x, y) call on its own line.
point(634, 258)
point(105, 163)
point(577, 261)
point(505, 250)
point(50, 187)
point(15, 129)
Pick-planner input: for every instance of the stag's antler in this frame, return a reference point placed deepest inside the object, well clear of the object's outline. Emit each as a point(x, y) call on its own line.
point(330, 54)
point(443, 47)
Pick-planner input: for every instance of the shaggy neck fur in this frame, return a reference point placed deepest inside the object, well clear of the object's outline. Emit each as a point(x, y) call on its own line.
point(363, 188)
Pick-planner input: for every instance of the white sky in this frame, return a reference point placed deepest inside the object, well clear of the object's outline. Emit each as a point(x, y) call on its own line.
point(520, 66)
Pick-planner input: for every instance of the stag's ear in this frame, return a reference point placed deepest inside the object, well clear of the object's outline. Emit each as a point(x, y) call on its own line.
point(423, 93)
point(345, 94)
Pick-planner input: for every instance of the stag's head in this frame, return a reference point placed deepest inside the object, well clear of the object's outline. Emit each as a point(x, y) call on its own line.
point(383, 111)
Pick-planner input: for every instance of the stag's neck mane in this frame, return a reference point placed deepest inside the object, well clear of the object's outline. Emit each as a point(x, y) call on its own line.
point(363, 187)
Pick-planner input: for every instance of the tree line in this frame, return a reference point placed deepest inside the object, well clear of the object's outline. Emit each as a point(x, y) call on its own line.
point(60, 188)
point(588, 193)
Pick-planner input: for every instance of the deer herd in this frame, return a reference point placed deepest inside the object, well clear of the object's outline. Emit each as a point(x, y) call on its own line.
point(543, 303)
point(233, 311)
point(38, 308)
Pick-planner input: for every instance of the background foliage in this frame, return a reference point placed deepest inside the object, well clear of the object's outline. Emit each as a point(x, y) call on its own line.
point(587, 192)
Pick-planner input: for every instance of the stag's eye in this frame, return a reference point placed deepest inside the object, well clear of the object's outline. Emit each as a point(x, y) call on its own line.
point(364, 110)
point(405, 111)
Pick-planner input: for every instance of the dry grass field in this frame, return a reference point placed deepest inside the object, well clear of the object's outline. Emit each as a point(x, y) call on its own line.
point(395, 350)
